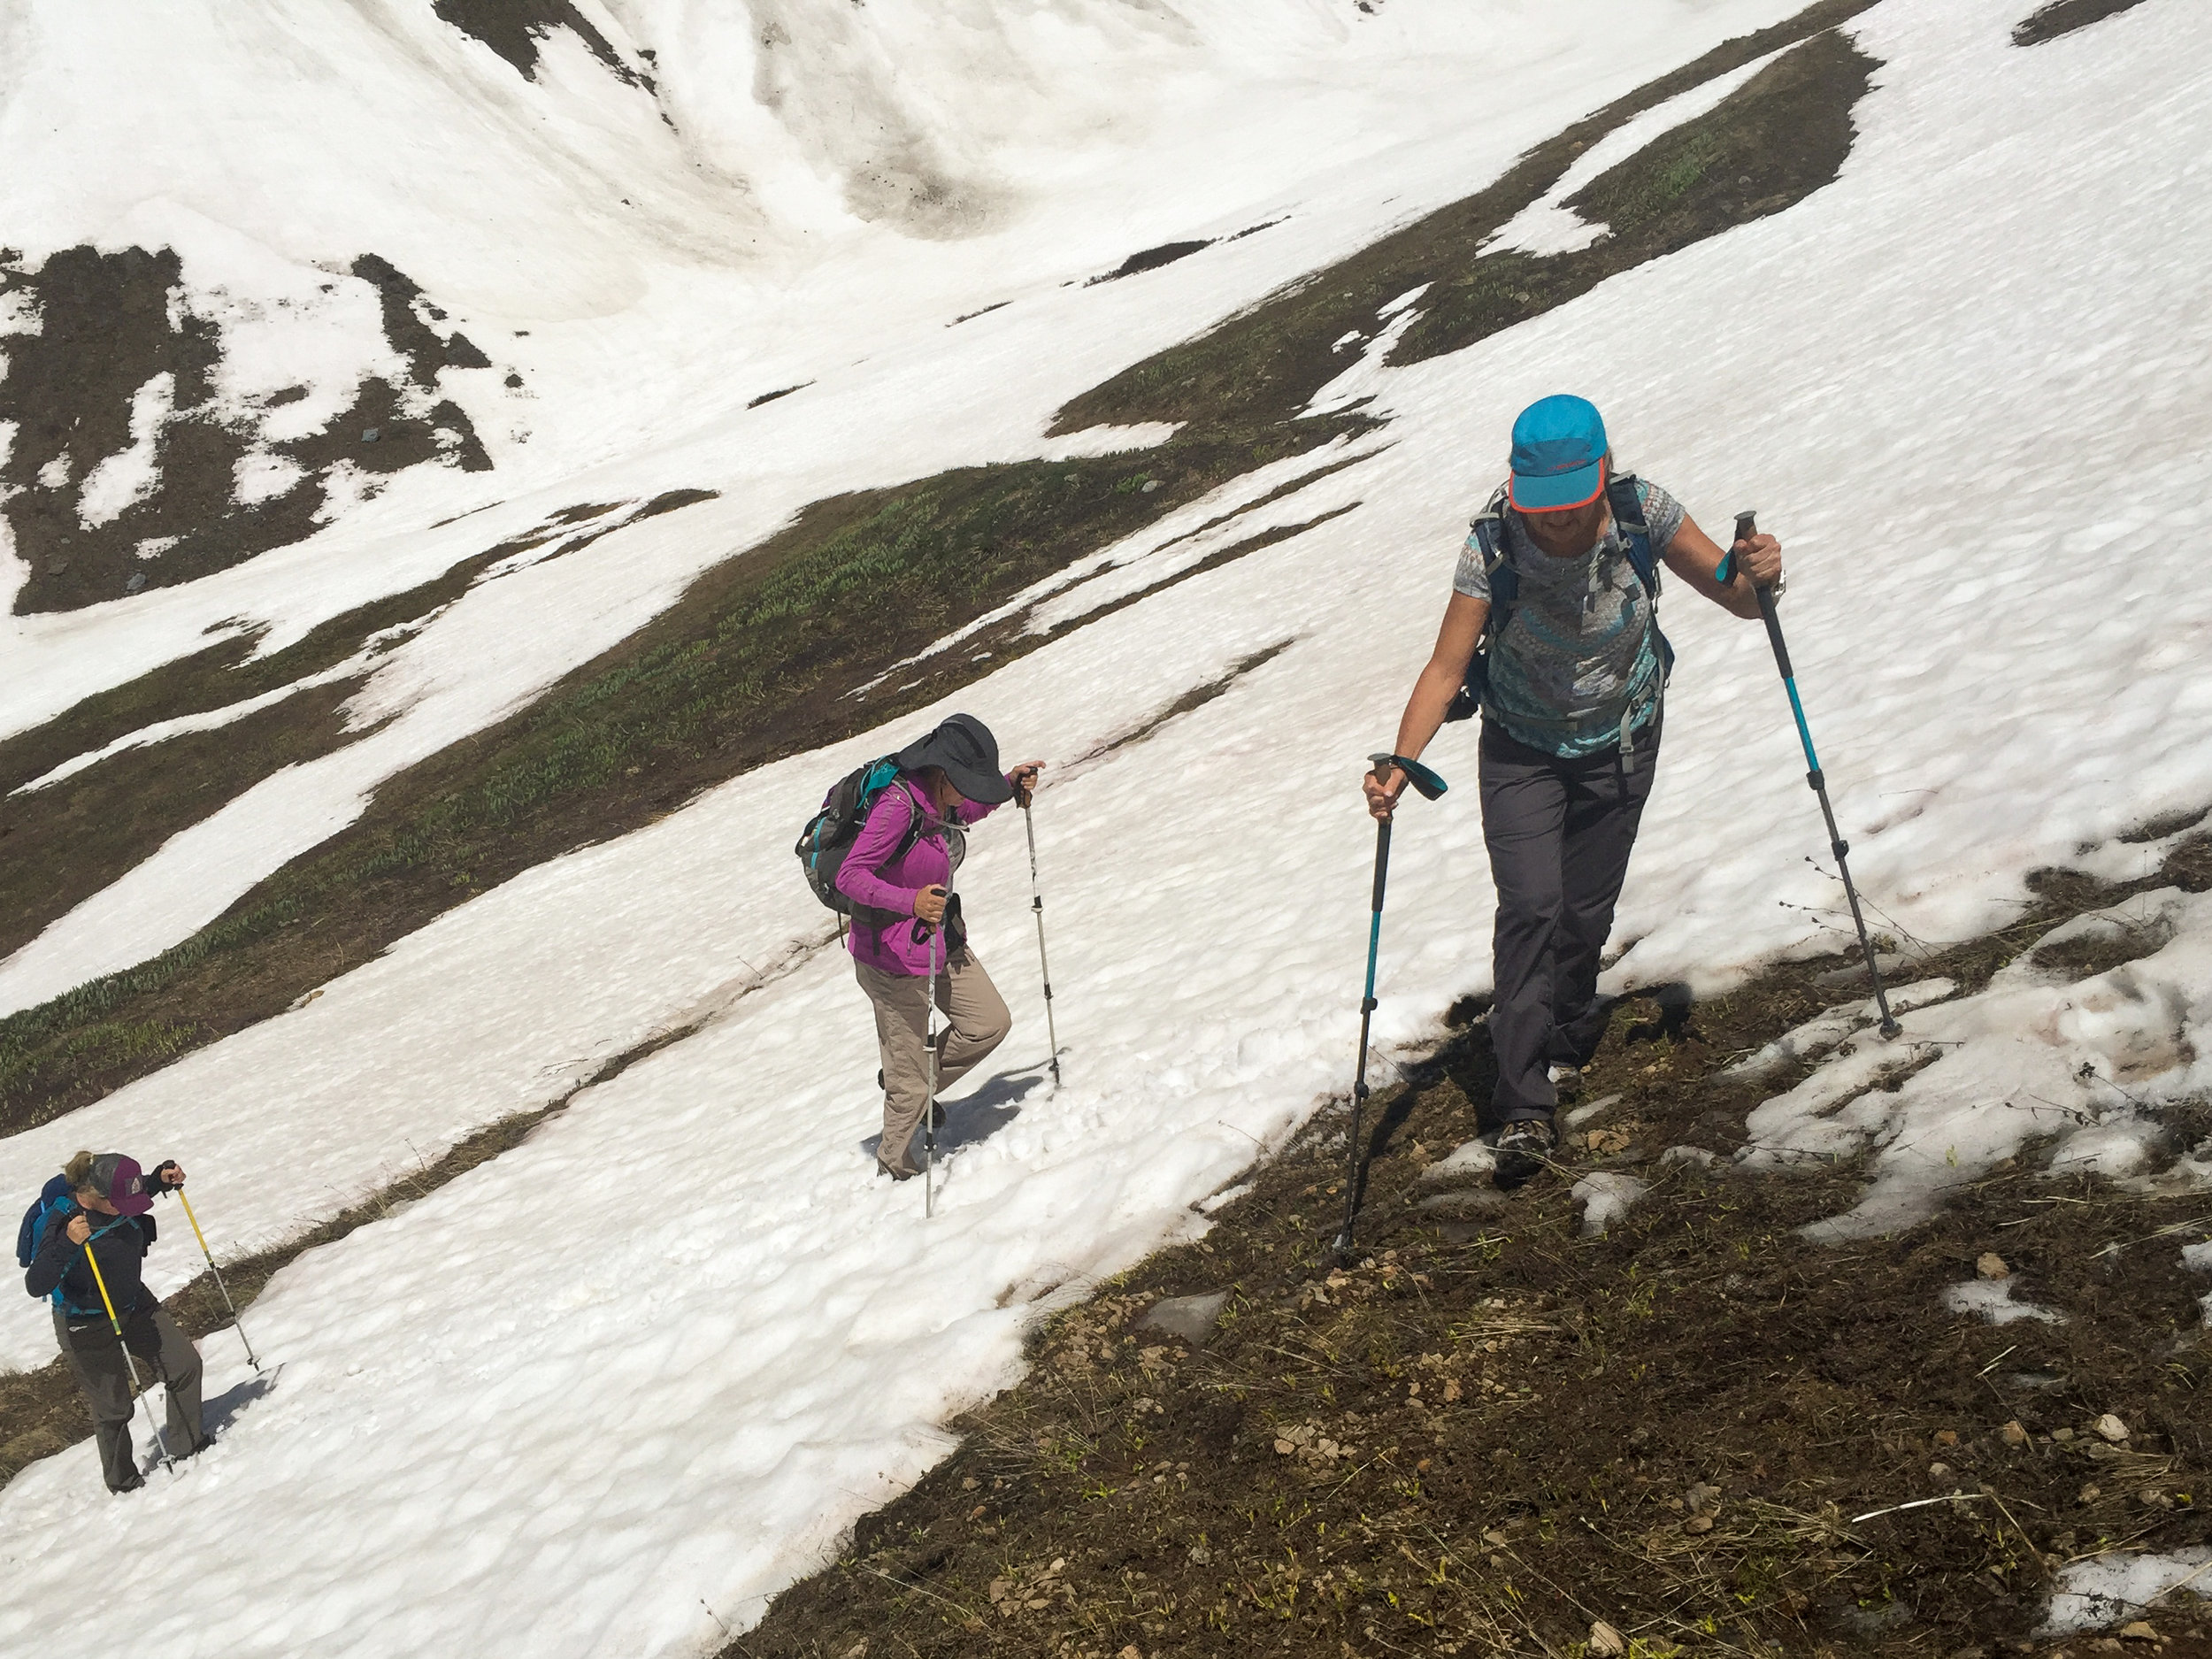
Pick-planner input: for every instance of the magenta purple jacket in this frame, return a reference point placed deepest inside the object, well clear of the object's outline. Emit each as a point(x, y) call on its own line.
point(882, 887)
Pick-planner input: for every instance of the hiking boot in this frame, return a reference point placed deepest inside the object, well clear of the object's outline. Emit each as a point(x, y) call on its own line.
point(1524, 1149)
point(1566, 1081)
point(901, 1171)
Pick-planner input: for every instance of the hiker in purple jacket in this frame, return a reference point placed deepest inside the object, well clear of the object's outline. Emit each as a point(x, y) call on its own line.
point(905, 921)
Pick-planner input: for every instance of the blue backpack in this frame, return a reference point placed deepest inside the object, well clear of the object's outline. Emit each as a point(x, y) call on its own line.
point(54, 1208)
point(1487, 532)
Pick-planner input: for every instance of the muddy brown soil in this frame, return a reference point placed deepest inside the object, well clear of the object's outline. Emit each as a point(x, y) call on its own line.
point(1486, 1432)
point(2063, 16)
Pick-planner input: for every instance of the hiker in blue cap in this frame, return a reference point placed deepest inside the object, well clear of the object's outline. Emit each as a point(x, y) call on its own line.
point(1553, 631)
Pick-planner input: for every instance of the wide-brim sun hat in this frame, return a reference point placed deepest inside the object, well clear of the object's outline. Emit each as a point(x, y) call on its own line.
point(1558, 455)
point(965, 750)
point(122, 1183)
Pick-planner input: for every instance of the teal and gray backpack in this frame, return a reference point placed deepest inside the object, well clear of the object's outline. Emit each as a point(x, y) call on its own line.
point(830, 834)
point(1487, 532)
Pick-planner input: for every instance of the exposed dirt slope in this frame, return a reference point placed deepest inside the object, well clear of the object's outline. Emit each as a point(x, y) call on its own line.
point(1488, 1431)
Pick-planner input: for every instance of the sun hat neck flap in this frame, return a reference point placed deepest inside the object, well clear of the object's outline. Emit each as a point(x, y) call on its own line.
point(122, 1183)
point(963, 749)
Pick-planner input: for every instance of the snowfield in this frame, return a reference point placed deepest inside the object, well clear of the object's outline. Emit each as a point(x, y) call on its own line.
point(607, 1393)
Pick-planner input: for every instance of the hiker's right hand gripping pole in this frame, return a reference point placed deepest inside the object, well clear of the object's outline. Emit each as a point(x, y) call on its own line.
point(1747, 527)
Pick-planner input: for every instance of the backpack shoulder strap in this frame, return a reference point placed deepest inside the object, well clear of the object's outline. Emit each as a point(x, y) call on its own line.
point(1628, 517)
point(1488, 529)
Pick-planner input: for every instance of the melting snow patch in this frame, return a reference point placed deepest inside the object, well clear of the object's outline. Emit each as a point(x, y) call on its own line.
point(1094, 441)
point(2198, 1257)
point(1389, 311)
point(1465, 1164)
point(2025, 1057)
point(1993, 1299)
point(121, 480)
point(2111, 1589)
point(261, 475)
point(1817, 1036)
point(1606, 1197)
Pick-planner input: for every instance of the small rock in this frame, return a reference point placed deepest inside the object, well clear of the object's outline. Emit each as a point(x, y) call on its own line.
point(2014, 1434)
point(1698, 1524)
point(370, 434)
point(1700, 1498)
point(1607, 1641)
point(1149, 485)
point(2090, 1495)
point(1190, 1317)
point(2109, 1427)
point(1938, 1472)
point(138, 583)
point(2062, 1435)
point(1675, 1155)
point(1129, 1652)
point(1989, 1265)
point(1582, 1115)
point(2140, 1631)
point(1947, 1437)
point(970, 1484)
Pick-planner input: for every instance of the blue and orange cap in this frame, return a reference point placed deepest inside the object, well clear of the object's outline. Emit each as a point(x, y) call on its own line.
point(1558, 455)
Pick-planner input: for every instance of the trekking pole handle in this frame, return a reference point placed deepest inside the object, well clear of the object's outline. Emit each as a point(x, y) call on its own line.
point(1429, 785)
point(1747, 526)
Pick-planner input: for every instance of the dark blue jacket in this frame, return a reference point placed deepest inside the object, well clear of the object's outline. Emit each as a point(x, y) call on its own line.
point(122, 1242)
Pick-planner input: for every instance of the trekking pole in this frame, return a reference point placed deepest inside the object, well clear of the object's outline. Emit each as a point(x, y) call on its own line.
point(1430, 787)
point(1747, 526)
point(929, 1105)
point(116, 1326)
point(1037, 904)
point(237, 1322)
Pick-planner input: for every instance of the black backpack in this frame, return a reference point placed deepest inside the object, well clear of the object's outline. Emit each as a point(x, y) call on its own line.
point(1488, 532)
point(830, 834)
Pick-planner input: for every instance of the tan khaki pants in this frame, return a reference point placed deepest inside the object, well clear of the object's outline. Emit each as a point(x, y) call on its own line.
point(978, 1023)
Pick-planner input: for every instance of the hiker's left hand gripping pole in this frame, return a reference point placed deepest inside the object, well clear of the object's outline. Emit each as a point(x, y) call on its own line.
point(1430, 787)
point(239, 1324)
point(1747, 527)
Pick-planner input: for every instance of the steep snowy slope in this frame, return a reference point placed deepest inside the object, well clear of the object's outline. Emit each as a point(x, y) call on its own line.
point(607, 1393)
point(639, 265)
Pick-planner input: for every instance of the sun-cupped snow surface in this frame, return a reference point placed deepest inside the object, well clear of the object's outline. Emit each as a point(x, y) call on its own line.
point(2037, 1055)
point(644, 340)
point(607, 1393)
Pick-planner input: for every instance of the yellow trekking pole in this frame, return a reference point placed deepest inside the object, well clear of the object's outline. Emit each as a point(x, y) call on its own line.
point(116, 1326)
point(218, 1272)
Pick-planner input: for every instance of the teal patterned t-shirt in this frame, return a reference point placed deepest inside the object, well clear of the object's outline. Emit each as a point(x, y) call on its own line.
point(1579, 654)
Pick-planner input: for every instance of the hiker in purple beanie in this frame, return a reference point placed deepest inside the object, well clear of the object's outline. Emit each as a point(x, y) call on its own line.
point(898, 876)
point(97, 1207)
point(1553, 631)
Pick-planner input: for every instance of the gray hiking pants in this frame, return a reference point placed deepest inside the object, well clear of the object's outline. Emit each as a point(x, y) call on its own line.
point(1559, 833)
point(163, 1353)
point(978, 1023)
